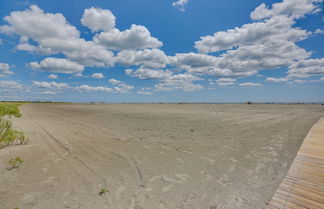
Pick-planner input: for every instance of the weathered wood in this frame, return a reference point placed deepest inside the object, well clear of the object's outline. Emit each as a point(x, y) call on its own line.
point(303, 186)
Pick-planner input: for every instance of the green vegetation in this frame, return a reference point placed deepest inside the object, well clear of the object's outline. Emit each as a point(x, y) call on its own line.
point(103, 191)
point(14, 163)
point(8, 135)
point(9, 109)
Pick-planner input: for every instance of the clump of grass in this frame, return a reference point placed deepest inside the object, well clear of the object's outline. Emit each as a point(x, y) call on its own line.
point(9, 109)
point(103, 191)
point(14, 163)
point(8, 135)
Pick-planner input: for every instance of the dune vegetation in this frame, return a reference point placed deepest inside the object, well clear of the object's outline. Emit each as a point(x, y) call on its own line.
point(8, 135)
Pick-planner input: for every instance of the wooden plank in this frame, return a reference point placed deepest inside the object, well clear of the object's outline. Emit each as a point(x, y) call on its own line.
point(303, 186)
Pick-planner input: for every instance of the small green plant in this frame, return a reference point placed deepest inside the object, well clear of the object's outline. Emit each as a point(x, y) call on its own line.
point(103, 191)
point(8, 135)
point(14, 163)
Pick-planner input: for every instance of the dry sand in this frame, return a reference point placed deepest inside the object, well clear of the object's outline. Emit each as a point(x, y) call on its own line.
point(153, 156)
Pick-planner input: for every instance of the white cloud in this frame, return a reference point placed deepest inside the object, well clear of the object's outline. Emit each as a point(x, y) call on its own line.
point(225, 81)
point(114, 81)
point(47, 93)
point(298, 81)
point(57, 65)
point(278, 28)
point(146, 73)
point(54, 35)
point(269, 43)
point(137, 37)
point(193, 62)
point(276, 80)
point(11, 85)
point(98, 19)
point(153, 58)
point(319, 31)
point(5, 69)
point(244, 61)
point(36, 24)
point(306, 68)
point(50, 85)
point(144, 92)
point(291, 8)
point(34, 49)
point(180, 4)
point(52, 76)
point(250, 84)
point(119, 86)
point(97, 75)
point(88, 88)
point(322, 79)
point(179, 82)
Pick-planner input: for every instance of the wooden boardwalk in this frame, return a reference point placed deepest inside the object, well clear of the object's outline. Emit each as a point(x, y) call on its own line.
point(303, 186)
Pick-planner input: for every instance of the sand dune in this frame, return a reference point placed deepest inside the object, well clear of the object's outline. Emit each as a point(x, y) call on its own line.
point(161, 156)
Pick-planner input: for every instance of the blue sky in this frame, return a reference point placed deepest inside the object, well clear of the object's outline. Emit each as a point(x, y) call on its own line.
point(162, 50)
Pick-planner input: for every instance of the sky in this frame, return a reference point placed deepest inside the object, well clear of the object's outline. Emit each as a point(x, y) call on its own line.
point(162, 50)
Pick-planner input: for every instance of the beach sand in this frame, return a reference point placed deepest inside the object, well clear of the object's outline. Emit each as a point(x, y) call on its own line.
point(153, 156)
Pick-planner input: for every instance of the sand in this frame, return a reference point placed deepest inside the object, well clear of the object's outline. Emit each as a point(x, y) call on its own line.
point(153, 156)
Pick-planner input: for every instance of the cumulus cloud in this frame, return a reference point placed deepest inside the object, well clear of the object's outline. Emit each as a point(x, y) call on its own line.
point(180, 4)
point(291, 8)
point(54, 35)
point(145, 92)
point(50, 85)
point(47, 93)
point(306, 68)
point(278, 28)
point(98, 19)
point(5, 69)
point(9, 85)
point(97, 75)
point(137, 37)
point(193, 62)
point(250, 84)
point(146, 73)
point(276, 80)
point(88, 88)
point(52, 76)
point(153, 58)
point(179, 82)
point(57, 65)
point(119, 86)
point(267, 43)
point(225, 81)
point(114, 81)
point(319, 31)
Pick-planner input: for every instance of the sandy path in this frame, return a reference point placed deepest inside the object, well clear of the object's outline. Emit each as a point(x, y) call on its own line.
point(153, 156)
